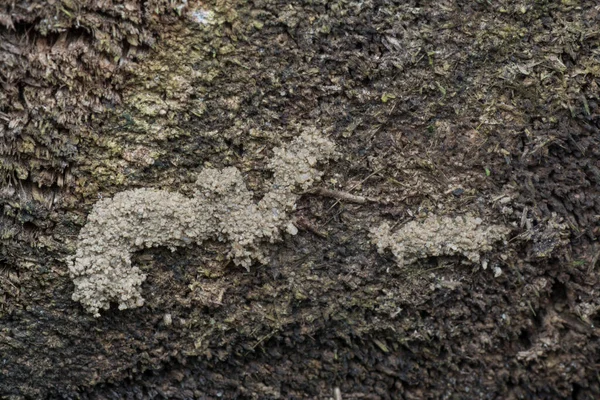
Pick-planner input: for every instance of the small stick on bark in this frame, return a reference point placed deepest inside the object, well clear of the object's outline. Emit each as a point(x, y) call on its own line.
point(335, 194)
point(342, 196)
point(305, 224)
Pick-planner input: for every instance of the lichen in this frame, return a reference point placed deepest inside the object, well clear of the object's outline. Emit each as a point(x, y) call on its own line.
point(222, 208)
point(435, 236)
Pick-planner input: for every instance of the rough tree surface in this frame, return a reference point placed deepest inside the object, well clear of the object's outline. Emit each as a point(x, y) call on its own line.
point(440, 110)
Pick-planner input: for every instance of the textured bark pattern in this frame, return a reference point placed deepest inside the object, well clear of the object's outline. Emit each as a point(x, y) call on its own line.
point(448, 108)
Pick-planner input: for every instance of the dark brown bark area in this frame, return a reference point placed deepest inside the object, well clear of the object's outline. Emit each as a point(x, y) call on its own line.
point(437, 107)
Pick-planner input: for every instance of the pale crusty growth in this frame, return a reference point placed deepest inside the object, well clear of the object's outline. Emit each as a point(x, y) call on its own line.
point(222, 208)
point(295, 165)
point(438, 236)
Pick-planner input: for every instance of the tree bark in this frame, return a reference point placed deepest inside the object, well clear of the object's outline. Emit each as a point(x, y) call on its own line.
point(486, 112)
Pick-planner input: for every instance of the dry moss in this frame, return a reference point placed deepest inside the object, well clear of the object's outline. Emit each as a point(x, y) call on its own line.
point(438, 236)
point(222, 209)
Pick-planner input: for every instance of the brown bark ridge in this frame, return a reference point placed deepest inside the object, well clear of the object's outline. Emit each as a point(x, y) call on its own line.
point(486, 110)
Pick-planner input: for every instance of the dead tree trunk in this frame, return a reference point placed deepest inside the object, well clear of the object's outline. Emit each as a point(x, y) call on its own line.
point(467, 140)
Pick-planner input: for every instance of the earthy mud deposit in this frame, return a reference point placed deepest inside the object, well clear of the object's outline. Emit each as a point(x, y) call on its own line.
point(487, 109)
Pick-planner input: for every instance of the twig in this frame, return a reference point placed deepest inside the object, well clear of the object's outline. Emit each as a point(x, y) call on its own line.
point(303, 223)
point(354, 187)
point(342, 196)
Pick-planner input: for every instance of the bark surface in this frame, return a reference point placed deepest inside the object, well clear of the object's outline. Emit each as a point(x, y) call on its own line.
point(439, 109)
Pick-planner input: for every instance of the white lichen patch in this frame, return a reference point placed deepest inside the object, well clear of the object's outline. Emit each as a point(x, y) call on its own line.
point(222, 209)
point(438, 236)
point(202, 17)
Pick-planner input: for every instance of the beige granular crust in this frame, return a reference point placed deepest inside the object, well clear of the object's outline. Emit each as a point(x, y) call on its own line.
point(435, 236)
point(222, 209)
